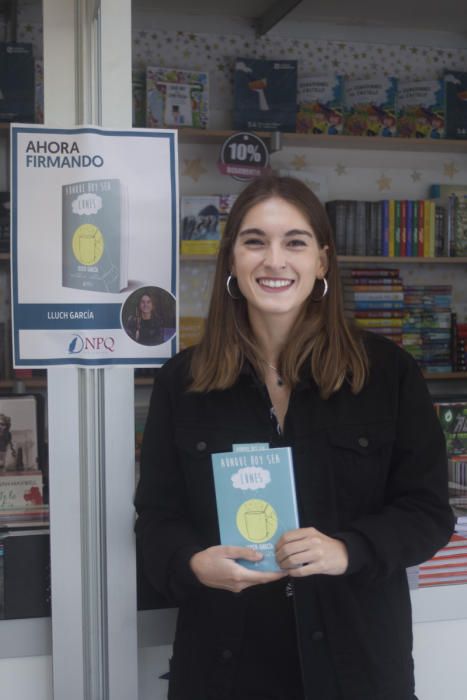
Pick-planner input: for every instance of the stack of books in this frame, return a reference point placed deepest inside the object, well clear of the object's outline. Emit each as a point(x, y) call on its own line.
point(446, 567)
point(374, 297)
point(427, 326)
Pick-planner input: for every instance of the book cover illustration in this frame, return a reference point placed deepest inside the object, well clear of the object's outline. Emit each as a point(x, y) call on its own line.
point(176, 98)
point(370, 107)
point(320, 104)
point(256, 501)
point(203, 222)
point(95, 236)
point(420, 109)
point(456, 104)
point(265, 95)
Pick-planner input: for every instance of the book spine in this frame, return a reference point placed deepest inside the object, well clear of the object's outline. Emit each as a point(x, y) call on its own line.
point(397, 228)
point(421, 227)
point(385, 227)
point(415, 229)
point(391, 228)
point(403, 206)
point(408, 227)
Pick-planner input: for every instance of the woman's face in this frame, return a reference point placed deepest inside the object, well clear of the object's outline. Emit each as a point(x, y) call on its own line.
point(145, 305)
point(277, 259)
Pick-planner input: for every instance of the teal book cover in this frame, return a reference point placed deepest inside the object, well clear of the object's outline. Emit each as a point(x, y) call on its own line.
point(256, 501)
point(94, 236)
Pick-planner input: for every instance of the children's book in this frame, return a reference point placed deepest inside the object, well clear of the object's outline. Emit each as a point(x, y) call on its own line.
point(420, 109)
point(176, 98)
point(320, 104)
point(370, 107)
point(456, 104)
point(95, 236)
point(203, 221)
point(265, 94)
point(256, 501)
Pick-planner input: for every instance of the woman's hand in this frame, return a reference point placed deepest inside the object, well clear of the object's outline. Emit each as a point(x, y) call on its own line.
point(307, 551)
point(216, 567)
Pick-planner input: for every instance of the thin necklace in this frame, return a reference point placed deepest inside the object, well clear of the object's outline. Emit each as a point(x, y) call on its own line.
point(280, 381)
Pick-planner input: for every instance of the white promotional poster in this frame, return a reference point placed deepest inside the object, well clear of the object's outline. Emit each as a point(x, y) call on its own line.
point(94, 246)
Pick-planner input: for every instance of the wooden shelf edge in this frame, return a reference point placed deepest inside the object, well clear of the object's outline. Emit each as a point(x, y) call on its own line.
point(338, 141)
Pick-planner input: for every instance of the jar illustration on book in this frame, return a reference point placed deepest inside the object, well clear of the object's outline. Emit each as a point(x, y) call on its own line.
point(257, 520)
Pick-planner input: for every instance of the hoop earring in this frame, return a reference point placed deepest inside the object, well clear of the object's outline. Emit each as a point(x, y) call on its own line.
point(325, 290)
point(227, 285)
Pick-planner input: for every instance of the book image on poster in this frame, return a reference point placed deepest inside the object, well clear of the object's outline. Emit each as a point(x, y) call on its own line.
point(148, 316)
point(256, 500)
point(176, 97)
point(95, 236)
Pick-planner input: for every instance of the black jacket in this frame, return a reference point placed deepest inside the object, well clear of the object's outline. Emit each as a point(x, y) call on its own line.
point(370, 469)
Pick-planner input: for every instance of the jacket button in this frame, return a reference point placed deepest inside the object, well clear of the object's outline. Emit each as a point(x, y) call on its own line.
point(227, 655)
point(363, 442)
point(317, 636)
point(201, 446)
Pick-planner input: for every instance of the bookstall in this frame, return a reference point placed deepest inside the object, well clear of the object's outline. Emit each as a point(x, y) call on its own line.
point(105, 64)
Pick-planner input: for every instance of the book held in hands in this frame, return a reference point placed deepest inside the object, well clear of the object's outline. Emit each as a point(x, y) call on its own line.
point(256, 501)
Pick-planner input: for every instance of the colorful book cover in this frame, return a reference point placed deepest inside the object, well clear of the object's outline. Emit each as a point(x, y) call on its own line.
point(456, 104)
point(256, 500)
point(95, 235)
point(370, 107)
point(320, 104)
point(265, 95)
point(20, 490)
point(203, 222)
point(176, 98)
point(420, 109)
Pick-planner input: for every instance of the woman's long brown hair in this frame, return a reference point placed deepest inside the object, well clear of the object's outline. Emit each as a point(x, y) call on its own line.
point(321, 334)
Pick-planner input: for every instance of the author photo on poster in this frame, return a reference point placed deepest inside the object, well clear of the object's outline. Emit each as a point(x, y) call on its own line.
point(148, 316)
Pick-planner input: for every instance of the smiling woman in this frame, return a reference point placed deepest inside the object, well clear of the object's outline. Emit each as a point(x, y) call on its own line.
point(279, 365)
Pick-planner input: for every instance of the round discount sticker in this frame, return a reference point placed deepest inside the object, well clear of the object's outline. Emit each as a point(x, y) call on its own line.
point(243, 156)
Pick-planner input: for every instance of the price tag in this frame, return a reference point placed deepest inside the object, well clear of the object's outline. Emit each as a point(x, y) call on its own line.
point(243, 156)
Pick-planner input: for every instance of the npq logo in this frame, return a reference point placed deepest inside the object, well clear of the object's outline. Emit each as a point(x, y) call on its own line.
point(98, 343)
